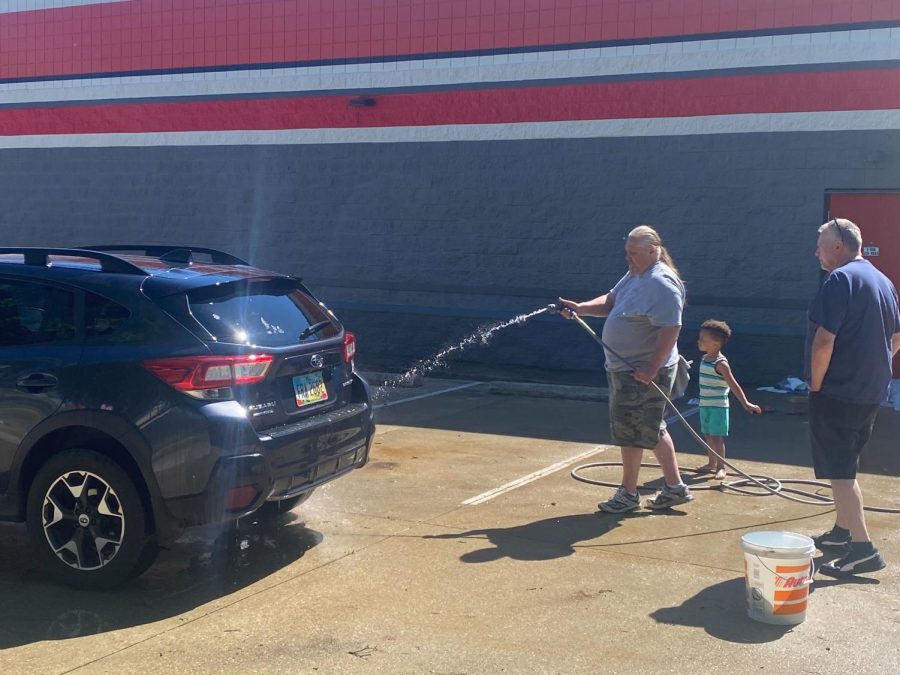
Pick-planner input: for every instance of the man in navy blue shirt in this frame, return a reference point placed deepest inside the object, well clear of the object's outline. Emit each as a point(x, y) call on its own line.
point(854, 333)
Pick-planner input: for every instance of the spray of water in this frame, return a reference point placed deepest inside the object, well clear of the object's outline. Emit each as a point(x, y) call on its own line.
point(481, 336)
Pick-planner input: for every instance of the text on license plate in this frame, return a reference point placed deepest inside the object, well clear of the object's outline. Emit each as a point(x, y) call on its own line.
point(309, 389)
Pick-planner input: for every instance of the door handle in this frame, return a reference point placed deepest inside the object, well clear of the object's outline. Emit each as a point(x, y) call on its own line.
point(37, 381)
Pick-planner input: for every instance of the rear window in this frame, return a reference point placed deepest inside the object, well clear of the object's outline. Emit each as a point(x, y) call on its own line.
point(270, 314)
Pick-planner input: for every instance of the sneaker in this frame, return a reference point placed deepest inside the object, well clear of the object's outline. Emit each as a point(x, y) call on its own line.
point(669, 497)
point(855, 562)
point(621, 502)
point(833, 540)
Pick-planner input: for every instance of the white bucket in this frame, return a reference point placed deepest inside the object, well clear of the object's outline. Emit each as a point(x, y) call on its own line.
point(778, 570)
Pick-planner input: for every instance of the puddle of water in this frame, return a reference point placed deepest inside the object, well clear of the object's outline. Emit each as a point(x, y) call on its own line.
point(480, 337)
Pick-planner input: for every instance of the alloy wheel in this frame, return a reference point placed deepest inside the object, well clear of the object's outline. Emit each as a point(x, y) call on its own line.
point(83, 520)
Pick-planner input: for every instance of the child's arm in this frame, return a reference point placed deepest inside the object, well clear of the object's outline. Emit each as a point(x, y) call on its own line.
point(724, 370)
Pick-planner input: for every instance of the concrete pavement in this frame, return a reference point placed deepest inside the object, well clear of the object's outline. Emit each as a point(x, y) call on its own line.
point(459, 550)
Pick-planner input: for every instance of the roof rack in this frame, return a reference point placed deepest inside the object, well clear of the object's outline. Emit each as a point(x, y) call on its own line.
point(40, 257)
point(173, 254)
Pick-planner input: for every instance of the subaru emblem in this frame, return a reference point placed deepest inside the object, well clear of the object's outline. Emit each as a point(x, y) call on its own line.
point(316, 361)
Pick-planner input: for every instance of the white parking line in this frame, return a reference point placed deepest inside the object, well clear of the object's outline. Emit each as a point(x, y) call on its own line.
point(428, 395)
point(524, 480)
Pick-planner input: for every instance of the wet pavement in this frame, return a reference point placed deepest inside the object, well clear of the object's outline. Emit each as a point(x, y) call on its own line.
point(466, 547)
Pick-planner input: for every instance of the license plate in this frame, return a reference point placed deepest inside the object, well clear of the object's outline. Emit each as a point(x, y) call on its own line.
point(309, 389)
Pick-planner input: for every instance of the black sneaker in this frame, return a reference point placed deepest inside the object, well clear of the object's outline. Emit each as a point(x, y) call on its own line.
point(833, 540)
point(853, 563)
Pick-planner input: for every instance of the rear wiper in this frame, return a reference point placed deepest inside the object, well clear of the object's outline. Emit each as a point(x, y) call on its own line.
point(310, 330)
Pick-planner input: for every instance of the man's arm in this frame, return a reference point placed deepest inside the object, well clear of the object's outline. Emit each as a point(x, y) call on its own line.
point(820, 357)
point(665, 341)
point(599, 306)
point(895, 344)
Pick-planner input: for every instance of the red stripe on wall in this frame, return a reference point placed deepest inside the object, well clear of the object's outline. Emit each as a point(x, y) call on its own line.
point(161, 35)
point(764, 93)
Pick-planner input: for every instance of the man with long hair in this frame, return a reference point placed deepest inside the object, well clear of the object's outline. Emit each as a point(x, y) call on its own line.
point(643, 320)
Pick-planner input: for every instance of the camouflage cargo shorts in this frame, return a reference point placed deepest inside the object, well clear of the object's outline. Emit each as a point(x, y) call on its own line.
point(637, 411)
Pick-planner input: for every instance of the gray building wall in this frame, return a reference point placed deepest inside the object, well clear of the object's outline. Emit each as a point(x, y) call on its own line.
point(414, 244)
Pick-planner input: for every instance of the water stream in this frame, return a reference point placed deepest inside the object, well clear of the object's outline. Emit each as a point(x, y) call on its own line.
point(480, 337)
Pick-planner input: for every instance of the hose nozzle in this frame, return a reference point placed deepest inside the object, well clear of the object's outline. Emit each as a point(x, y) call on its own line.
point(553, 308)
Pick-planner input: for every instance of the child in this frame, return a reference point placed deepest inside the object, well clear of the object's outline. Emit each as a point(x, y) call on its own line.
point(716, 380)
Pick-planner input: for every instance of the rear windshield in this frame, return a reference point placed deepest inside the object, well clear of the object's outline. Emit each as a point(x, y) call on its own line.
point(269, 314)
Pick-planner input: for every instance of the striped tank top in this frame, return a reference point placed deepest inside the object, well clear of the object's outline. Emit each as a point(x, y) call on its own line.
point(713, 388)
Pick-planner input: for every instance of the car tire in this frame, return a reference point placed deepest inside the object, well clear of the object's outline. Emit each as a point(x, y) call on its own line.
point(274, 509)
point(87, 522)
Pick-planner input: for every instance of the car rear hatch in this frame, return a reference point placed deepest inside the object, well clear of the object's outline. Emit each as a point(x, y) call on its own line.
point(273, 348)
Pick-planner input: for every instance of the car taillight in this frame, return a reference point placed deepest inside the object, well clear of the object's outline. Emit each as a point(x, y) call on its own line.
point(240, 497)
point(199, 375)
point(349, 347)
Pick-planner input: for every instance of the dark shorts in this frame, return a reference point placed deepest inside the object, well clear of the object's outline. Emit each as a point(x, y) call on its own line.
point(838, 432)
point(636, 411)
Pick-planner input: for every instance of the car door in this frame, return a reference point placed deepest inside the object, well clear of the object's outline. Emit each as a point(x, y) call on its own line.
point(40, 347)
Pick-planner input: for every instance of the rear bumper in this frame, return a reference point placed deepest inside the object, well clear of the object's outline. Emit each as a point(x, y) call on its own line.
point(283, 462)
point(312, 452)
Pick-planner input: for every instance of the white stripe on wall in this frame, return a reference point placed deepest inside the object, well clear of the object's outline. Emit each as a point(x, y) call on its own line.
point(12, 6)
point(679, 57)
point(853, 120)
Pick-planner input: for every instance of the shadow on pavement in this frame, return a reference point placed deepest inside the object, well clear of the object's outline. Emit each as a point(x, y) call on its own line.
point(546, 539)
point(190, 574)
point(780, 437)
point(719, 610)
point(477, 412)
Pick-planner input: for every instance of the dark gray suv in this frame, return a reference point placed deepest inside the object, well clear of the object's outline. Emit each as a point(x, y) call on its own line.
point(147, 389)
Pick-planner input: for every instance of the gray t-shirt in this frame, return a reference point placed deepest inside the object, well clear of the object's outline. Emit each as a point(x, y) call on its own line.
point(642, 304)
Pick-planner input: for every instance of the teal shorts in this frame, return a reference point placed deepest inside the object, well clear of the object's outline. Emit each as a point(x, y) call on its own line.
point(714, 421)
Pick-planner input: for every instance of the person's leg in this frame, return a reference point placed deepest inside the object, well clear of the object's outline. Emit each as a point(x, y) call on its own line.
point(848, 499)
point(665, 456)
point(848, 502)
point(624, 425)
point(860, 555)
point(631, 467)
point(823, 416)
point(624, 418)
point(717, 443)
point(626, 498)
point(713, 460)
point(850, 429)
point(654, 425)
point(718, 430)
point(674, 492)
point(710, 465)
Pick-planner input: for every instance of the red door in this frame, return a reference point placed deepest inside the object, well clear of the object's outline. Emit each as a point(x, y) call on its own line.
point(878, 216)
